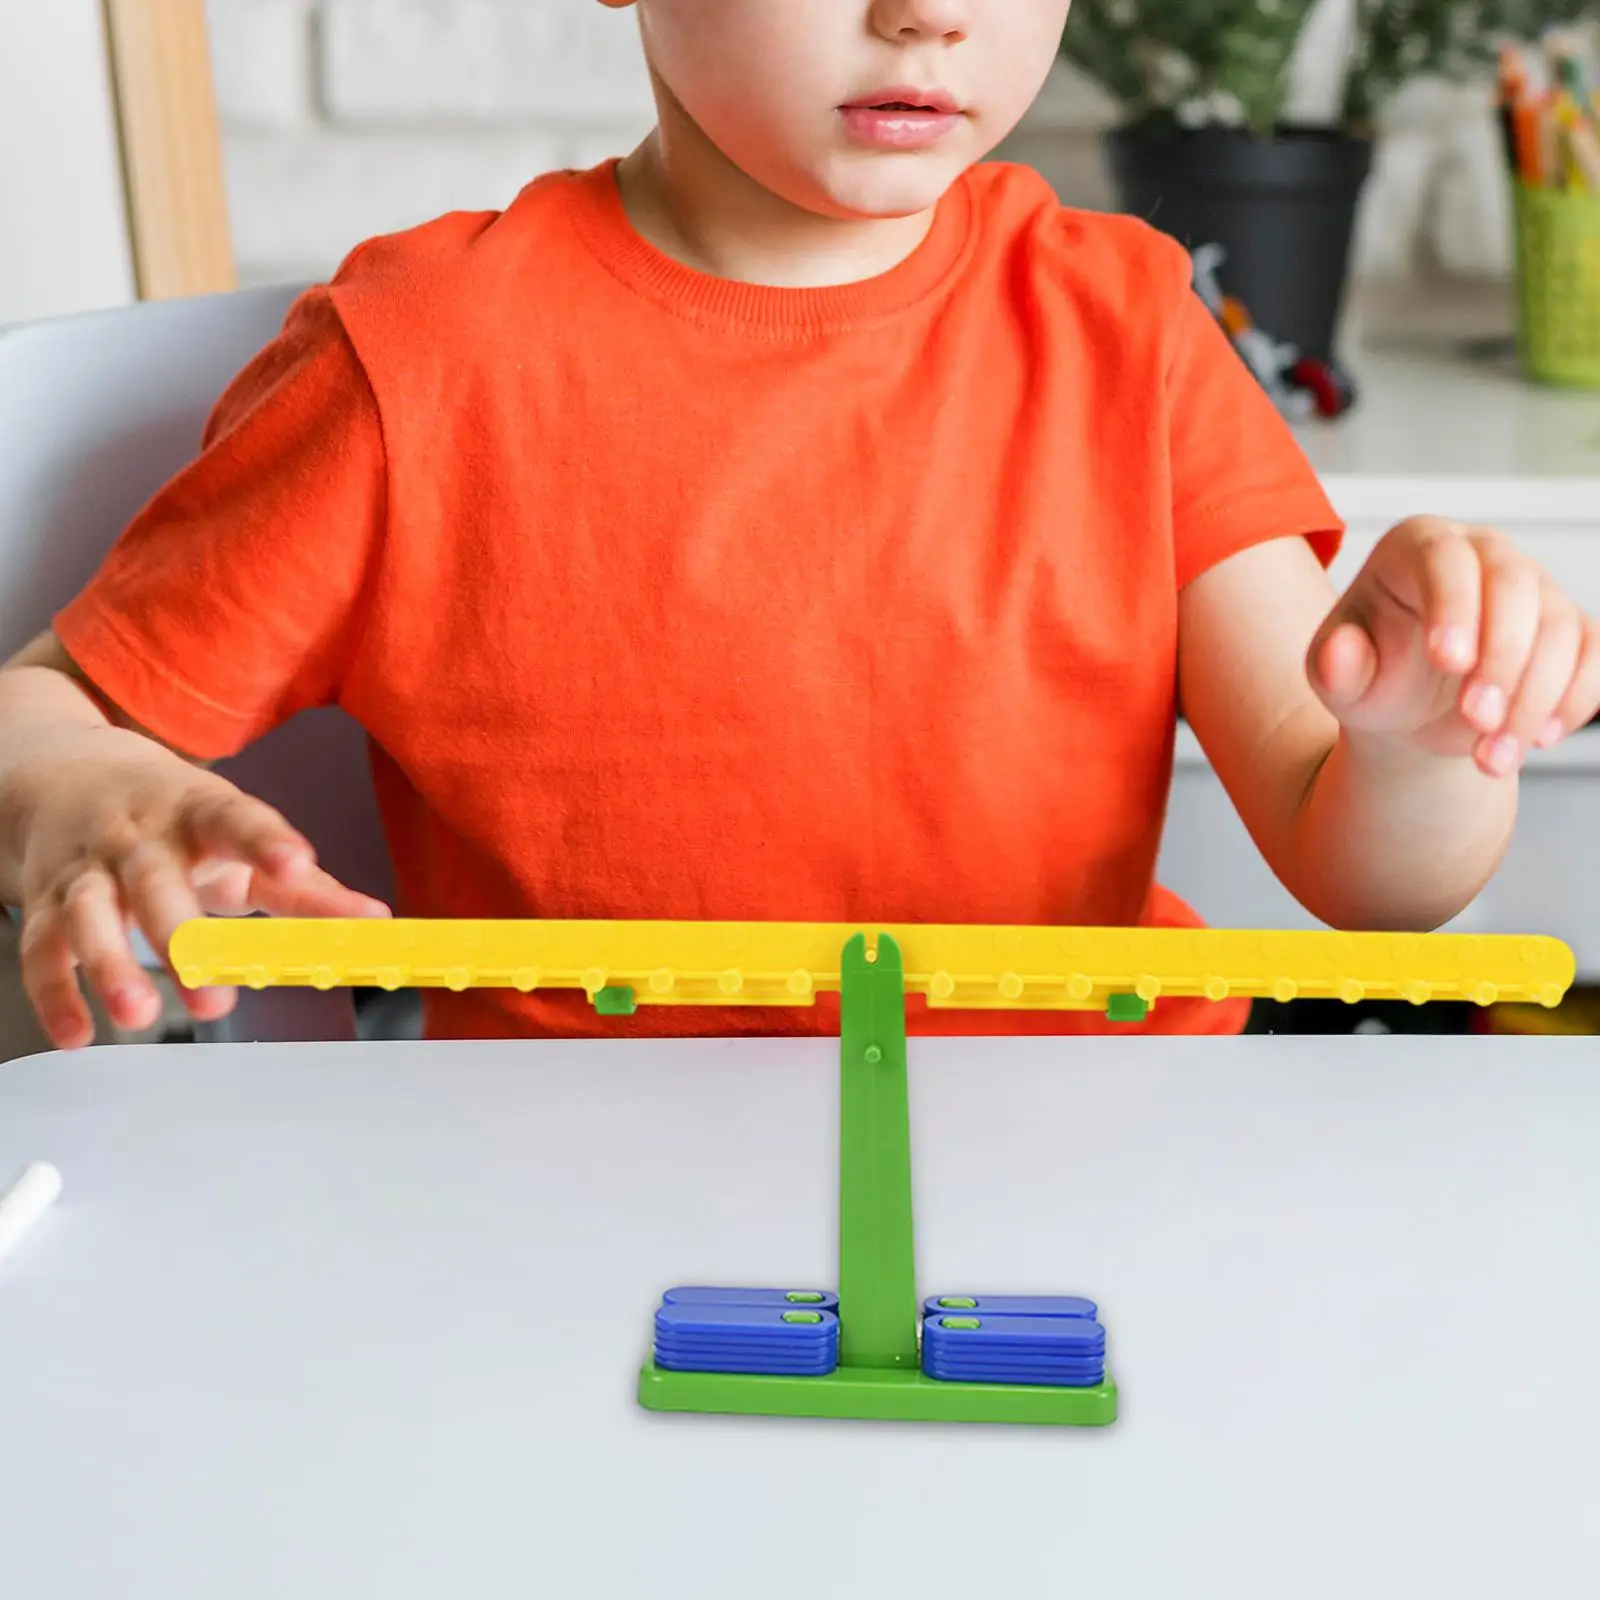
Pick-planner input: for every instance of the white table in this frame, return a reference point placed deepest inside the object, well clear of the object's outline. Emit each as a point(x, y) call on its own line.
point(1437, 431)
point(364, 1320)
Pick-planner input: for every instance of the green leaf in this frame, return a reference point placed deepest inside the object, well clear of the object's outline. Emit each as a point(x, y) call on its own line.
point(1228, 60)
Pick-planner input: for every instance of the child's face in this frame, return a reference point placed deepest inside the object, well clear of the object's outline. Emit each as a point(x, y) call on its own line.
point(790, 91)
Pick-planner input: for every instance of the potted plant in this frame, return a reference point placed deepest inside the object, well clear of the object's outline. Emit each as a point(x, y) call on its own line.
point(1206, 152)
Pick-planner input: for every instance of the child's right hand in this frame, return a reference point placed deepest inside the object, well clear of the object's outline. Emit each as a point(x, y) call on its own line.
point(123, 833)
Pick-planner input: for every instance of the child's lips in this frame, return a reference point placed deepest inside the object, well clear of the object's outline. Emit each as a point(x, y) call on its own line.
point(900, 117)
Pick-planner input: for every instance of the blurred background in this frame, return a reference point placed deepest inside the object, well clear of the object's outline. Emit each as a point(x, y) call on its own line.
point(344, 118)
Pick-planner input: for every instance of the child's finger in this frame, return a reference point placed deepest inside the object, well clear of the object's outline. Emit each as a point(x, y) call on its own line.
point(97, 934)
point(50, 979)
point(1582, 698)
point(1343, 666)
point(1534, 702)
point(1511, 615)
point(315, 894)
point(1452, 590)
point(230, 823)
point(160, 897)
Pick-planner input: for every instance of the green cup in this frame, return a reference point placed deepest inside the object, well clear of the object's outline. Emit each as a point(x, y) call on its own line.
point(1558, 286)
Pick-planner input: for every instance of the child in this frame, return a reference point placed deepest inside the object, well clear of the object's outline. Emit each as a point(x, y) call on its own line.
point(795, 520)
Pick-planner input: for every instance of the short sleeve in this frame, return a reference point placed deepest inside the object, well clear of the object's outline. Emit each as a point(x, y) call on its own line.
point(234, 600)
point(1239, 476)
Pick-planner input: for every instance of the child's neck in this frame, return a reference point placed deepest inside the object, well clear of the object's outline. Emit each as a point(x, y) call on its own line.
point(687, 199)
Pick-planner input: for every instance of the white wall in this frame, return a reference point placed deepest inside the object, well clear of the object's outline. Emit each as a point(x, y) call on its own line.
point(351, 117)
point(63, 225)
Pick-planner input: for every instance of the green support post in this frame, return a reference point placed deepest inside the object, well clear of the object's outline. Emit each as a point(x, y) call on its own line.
point(878, 1318)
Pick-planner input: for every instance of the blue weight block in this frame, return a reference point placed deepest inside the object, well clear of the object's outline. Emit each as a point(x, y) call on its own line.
point(1012, 1358)
point(744, 1361)
point(943, 1359)
point(1021, 1358)
point(731, 1336)
point(1027, 1379)
point(787, 1320)
point(1035, 1363)
point(784, 1299)
point(1015, 1335)
point(750, 1323)
point(773, 1365)
point(1075, 1369)
point(810, 1339)
point(755, 1352)
point(932, 1359)
point(1012, 1305)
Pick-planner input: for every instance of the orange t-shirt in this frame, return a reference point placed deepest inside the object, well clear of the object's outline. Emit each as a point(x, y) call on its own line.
point(663, 596)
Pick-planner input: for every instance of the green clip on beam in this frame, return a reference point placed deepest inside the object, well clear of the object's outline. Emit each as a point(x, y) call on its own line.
point(615, 1001)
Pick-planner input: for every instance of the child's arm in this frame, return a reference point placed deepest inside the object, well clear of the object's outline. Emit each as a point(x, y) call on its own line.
point(233, 601)
point(1371, 741)
point(102, 828)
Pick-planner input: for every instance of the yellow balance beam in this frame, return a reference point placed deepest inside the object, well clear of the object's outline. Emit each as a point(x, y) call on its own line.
point(789, 963)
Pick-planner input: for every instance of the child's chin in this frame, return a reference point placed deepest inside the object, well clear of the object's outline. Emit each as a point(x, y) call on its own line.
point(889, 186)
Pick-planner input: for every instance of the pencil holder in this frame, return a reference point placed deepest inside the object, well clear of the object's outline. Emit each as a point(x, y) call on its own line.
point(1558, 285)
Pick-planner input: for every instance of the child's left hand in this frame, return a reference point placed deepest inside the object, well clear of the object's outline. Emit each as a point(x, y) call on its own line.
point(1453, 641)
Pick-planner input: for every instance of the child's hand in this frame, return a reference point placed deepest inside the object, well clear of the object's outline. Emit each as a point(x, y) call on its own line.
point(1451, 640)
point(122, 833)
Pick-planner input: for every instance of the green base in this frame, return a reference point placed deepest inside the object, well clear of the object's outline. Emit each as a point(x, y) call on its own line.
point(877, 1395)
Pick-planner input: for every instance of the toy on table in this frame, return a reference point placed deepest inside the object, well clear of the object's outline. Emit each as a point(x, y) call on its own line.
point(1300, 386)
point(872, 1350)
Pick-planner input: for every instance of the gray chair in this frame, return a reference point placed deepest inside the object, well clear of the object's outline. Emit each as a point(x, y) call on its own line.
point(96, 413)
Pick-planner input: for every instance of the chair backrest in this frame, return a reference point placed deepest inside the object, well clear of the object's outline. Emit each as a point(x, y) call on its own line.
point(96, 413)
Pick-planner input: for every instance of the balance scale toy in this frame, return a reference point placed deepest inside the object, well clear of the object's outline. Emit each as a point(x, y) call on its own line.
point(871, 1350)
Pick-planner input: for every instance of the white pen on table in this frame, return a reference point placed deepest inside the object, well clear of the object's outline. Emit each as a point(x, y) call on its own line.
point(25, 1202)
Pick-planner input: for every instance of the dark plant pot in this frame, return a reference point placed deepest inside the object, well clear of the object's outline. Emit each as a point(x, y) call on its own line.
point(1283, 208)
